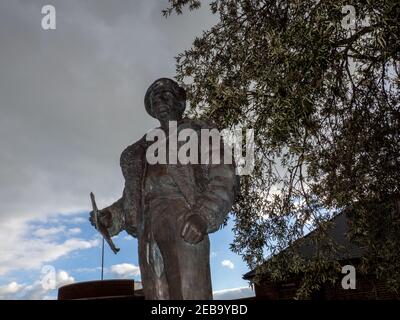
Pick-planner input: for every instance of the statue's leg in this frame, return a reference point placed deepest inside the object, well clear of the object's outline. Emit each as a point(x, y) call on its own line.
point(194, 265)
point(186, 266)
point(154, 281)
point(185, 271)
point(166, 238)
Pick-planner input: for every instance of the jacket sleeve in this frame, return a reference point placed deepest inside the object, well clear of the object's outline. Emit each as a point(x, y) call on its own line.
point(215, 202)
point(124, 211)
point(117, 217)
point(119, 211)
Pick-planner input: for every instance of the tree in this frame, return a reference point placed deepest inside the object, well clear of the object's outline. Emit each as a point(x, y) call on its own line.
point(319, 83)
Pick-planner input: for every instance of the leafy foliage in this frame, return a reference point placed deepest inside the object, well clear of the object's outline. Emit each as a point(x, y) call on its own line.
point(324, 103)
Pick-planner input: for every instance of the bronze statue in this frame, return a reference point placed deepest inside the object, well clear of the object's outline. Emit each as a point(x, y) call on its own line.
point(171, 208)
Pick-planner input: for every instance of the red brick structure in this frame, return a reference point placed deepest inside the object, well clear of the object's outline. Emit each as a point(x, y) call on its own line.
point(102, 289)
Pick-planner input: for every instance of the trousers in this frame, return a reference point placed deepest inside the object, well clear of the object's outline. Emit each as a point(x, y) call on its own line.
point(170, 267)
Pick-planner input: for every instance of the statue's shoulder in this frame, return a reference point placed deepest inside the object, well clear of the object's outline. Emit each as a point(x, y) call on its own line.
point(133, 153)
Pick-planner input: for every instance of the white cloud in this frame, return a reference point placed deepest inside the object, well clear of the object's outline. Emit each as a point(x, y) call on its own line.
point(87, 270)
point(74, 231)
point(97, 67)
point(78, 220)
point(62, 219)
point(8, 291)
point(36, 290)
point(55, 231)
point(96, 75)
point(234, 293)
point(128, 238)
point(125, 270)
point(63, 278)
point(20, 251)
point(228, 264)
point(47, 232)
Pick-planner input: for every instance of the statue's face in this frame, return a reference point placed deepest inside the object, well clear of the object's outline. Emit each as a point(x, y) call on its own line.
point(165, 105)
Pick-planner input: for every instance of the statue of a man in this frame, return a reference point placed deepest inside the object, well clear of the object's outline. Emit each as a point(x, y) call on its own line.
point(171, 208)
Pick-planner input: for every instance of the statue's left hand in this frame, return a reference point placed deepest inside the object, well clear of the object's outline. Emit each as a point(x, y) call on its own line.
point(194, 229)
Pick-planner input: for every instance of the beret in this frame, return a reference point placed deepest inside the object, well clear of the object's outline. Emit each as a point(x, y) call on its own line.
point(165, 84)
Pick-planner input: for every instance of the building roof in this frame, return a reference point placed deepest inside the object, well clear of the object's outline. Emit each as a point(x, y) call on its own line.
point(337, 233)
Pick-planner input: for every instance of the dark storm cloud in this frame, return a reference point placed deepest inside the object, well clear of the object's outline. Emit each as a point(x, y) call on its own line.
point(71, 99)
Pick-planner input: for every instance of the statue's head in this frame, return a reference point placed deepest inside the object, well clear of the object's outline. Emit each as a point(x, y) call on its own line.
point(165, 100)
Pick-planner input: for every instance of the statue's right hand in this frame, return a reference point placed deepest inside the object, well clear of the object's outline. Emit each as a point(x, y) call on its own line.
point(104, 218)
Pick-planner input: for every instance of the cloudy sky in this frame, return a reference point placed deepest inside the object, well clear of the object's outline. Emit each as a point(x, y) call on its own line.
point(71, 100)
